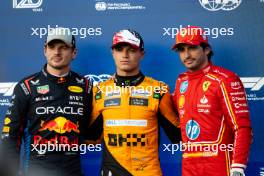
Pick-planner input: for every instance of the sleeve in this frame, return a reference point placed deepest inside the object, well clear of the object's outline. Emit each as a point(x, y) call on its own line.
point(174, 95)
point(168, 118)
point(13, 125)
point(95, 126)
point(235, 108)
point(84, 122)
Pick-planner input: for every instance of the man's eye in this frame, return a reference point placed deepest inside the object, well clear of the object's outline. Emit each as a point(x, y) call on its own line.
point(193, 47)
point(51, 46)
point(180, 49)
point(132, 50)
point(118, 48)
point(64, 47)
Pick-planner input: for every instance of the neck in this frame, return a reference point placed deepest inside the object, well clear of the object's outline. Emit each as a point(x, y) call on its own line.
point(202, 66)
point(58, 72)
point(132, 80)
point(130, 73)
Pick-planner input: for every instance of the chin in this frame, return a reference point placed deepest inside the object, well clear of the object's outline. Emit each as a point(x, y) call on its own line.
point(126, 69)
point(58, 66)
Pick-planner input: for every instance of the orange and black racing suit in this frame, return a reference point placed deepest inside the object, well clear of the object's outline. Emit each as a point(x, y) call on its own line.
point(130, 110)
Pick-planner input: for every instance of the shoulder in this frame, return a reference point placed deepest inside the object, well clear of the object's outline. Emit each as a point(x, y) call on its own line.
point(101, 86)
point(25, 83)
point(221, 74)
point(108, 81)
point(28, 78)
point(77, 75)
point(182, 77)
point(152, 81)
point(83, 81)
point(157, 85)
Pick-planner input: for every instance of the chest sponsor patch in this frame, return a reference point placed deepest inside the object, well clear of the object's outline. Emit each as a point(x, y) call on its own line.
point(138, 101)
point(181, 101)
point(192, 129)
point(183, 86)
point(112, 102)
point(206, 85)
point(113, 93)
point(236, 85)
point(75, 89)
point(204, 100)
point(140, 93)
point(127, 122)
point(44, 98)
point(43, 89)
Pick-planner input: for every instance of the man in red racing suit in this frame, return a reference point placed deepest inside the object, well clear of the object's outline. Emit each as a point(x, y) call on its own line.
point(213, 110)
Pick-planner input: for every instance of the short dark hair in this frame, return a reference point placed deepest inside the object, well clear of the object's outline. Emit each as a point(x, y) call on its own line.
point(204, 45)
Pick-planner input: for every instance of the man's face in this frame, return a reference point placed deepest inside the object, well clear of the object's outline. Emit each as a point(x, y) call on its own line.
point(193, 57)
point(58, 54)
point(127, 58)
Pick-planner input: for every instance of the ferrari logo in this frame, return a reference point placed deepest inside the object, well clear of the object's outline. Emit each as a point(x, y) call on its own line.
point(206, 85)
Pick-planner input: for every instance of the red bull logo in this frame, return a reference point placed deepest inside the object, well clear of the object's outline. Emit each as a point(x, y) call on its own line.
point(55, 140)
point(60, 125)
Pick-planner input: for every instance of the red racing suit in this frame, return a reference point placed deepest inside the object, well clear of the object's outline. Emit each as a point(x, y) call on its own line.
point(214, 120)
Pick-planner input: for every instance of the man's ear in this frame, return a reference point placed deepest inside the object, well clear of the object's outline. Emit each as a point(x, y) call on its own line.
point(142, 55)
point(74, 53)
point(112, 52)
point(44, 50)
point(207, 50)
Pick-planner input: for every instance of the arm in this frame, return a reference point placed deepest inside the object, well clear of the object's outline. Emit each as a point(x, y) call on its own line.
point(85, 120)
point(95, 127)
point(14, 122)
point(168, 118)
point(234, 105)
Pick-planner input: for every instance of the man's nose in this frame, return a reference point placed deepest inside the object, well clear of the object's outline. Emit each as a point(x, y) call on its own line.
point(57, 50)
point(125, 53)
point(186, 53)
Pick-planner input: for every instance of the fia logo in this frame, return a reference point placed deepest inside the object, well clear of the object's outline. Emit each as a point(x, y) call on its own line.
point(215, 5)
point(23, 4)
point(100, 6)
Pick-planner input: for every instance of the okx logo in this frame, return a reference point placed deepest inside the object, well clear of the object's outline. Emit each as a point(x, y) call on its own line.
point(23, 4)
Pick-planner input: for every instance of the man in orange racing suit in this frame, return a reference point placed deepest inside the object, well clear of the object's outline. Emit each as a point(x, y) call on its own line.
point(213, 110)
point(130, 107)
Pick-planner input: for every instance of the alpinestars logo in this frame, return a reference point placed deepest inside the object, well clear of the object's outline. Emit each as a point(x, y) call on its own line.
point(23, 4)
